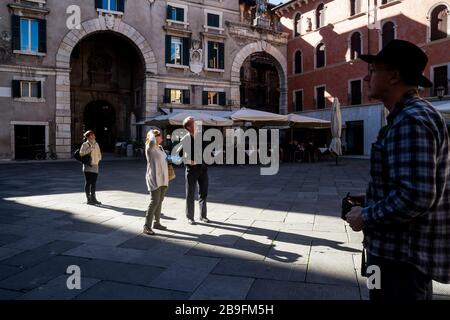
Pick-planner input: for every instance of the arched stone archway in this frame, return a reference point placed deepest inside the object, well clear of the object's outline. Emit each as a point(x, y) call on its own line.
point(281, 65)
point(63, 100)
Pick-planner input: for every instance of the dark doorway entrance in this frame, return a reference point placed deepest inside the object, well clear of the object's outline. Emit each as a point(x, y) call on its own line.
point(355, 138)
point(29, 140)
point(260, 83)
point(100, 117)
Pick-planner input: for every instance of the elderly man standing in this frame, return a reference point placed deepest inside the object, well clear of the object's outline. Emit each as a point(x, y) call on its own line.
point(406, 218)
point(196, 173)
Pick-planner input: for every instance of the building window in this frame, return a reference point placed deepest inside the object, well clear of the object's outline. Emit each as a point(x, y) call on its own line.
point(355, 46)
point(213, 20)
point(175, 13)
point(177, 96)
point(439, 22)
point(216, 55)
point(298, 62)
point(212, 98)
point(441, 79)
point(110, 5)
point(297, 25)
point(355, 7)
point(29, 35)
point(320, 56)
point(298, 100)
point(177, 50)
point(386, 1)
point(355, 96)
point(320, 97)
point(26, 89)
point(388, 33)
point(320, 16)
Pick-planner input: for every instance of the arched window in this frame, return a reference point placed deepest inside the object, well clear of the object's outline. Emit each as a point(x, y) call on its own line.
point(320, 56)
point(298, 68)
point(355, 45)
point(439, 22)
point(297, 25)
point(355, 7)
point(388, 33)
point(320, 16)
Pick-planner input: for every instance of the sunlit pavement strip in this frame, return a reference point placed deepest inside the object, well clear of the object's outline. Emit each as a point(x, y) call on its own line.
point(271, 237)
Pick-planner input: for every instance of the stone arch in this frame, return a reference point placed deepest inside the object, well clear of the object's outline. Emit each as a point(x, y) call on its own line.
point(63, 103)
point(281, 65)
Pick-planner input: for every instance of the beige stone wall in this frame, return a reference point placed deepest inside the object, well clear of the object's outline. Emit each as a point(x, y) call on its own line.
point(143, 25)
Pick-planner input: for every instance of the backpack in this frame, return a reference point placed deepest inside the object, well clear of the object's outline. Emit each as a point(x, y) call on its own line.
point(86, 160)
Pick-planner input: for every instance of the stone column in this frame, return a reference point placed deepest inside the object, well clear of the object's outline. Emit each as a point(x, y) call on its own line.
point(236, 95)
point(63, 114)
point(283, 101)
point(151, 96)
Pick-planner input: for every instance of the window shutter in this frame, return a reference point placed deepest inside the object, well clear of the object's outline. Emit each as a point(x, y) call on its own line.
point(180, 14)
point(121, 5)
point(221, 56)
point(299, 101)
point(169, 12)
point(186, 49)
point(213, 20)
point(205, 98)
point(98, 4)
point(16, 89)
point(15, 31)
point(39, 88)
point(322, 18)
point(298, 62)
point(166, 96)
point(168, 48)
point(222, 98)
point(358, 6)
point(186, 96)
point(42, 36)
point(210, 54)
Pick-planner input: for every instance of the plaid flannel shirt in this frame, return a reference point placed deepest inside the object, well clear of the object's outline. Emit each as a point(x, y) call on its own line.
point(407, 217)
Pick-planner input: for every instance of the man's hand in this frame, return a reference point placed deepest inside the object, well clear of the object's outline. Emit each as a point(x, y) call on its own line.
point(355, 220)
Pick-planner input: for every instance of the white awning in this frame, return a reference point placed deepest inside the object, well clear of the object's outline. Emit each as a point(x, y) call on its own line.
point(216, 113)
point(300, 121)
point(177, 119)
point(251, 115)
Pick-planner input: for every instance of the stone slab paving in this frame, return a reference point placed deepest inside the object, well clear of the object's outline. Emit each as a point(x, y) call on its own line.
point(271, 237)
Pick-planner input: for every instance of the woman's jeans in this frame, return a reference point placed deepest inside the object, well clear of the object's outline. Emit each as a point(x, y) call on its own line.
point(154, 209)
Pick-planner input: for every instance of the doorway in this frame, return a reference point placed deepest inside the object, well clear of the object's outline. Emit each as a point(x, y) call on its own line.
point(100, 117)
point(29, 140)
point(355, 138)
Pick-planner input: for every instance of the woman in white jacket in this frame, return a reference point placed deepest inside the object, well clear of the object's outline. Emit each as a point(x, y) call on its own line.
point(157, 180)
point(92, 148)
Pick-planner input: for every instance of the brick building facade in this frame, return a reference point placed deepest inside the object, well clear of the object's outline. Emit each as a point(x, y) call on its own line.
point(326, 37)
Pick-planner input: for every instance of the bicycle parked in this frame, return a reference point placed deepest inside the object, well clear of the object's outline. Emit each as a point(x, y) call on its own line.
point(46, 155)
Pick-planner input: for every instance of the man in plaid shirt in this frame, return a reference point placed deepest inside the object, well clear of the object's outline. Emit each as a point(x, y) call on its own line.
point(406, 219)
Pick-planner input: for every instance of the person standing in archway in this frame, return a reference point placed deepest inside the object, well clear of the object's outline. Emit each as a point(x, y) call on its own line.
point(91, 147)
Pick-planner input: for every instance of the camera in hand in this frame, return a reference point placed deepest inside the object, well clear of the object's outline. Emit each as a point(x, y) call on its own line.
point(349, 202)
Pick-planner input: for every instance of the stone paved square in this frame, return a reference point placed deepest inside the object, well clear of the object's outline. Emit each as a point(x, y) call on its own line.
point(271, 237)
